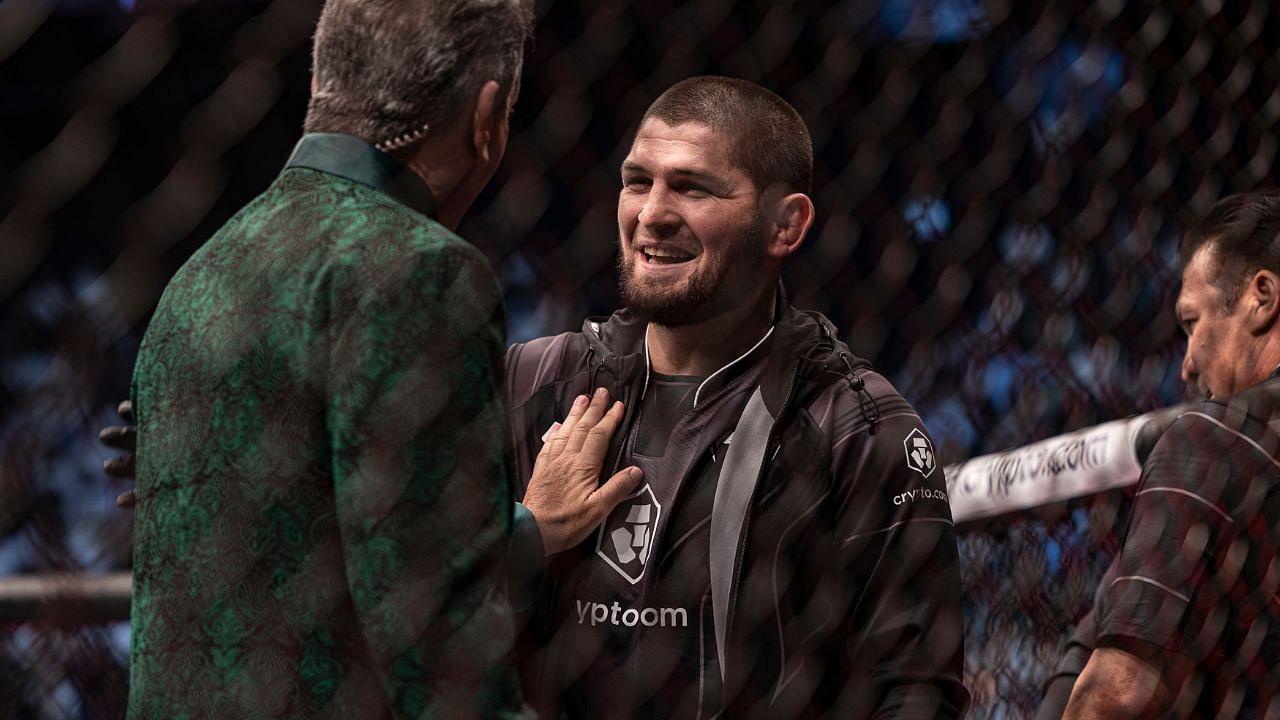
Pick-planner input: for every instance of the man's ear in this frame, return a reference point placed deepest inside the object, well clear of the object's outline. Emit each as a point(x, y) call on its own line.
point(788, 224)
point(484, 123)
point(1263, 295)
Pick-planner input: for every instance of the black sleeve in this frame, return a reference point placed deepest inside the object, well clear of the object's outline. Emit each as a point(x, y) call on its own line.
point(1075, 656)
point(1076, 652)
point(896, 541)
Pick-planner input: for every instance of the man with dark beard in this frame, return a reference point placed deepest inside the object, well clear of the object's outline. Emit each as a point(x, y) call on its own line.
point(791, 551)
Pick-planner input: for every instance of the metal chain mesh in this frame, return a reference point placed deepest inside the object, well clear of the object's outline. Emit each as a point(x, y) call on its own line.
point(1026, 579)
point(1000, 189)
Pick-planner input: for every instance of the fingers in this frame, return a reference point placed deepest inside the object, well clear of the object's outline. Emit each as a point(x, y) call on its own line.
point(551, 431)
point(560, 437)
point(617, 489)
point(597, 439)
point(581, 425)
point(120, 467)
point(125, 410)
point(595, 411)
point(576, 412)
point(120, 437)
point(127, 499)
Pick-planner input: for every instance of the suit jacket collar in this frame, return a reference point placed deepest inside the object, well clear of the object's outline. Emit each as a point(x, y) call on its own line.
point(350, 157)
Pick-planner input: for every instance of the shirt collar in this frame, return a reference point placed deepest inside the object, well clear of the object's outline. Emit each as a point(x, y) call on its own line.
point(727, 373)
point(350, 157)
point(719, 378)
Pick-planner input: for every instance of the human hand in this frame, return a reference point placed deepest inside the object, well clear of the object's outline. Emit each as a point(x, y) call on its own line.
point(125, 439)
point(564, 494)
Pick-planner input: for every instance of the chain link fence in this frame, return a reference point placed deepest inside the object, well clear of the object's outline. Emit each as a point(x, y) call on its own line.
point(1000, 187)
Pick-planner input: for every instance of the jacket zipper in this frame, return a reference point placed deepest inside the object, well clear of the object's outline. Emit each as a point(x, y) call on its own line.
point(593, 368)
point(628, 412)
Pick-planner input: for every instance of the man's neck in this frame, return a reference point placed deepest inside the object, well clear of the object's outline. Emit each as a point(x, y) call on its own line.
point(1268, 358)
point(701, 349)
point(442, 164)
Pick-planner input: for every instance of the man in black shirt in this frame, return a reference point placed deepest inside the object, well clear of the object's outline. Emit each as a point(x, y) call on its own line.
point(790, 552)
point(1186, 622)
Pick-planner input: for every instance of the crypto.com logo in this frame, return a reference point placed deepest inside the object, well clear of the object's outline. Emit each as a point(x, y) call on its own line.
point(626, 537)
point(919, 452)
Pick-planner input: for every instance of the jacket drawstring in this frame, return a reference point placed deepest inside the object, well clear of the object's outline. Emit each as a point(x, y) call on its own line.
point(591, 369)
point(866, 402)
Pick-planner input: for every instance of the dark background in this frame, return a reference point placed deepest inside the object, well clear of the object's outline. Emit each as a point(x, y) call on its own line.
point(1000, 188)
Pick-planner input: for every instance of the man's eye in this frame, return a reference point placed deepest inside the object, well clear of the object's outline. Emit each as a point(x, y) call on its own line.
point(636, 183)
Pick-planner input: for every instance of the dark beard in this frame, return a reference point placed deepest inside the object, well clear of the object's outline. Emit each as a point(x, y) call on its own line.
point(683, 306)
point(704, 295)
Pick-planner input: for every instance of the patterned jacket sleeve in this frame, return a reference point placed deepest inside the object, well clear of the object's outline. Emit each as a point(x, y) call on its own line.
point(895, 544)
point(423, 483)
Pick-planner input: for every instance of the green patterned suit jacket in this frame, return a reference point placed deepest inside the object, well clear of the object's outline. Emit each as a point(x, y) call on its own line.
point(324, 493)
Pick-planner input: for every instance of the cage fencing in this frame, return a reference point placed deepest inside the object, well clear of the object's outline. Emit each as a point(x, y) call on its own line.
point(1000, 188)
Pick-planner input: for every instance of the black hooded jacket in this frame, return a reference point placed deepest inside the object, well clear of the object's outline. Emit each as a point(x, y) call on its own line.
point(834, 570)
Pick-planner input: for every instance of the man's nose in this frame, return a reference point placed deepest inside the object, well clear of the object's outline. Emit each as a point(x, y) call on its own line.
point(1188, 368)
point(658, 212)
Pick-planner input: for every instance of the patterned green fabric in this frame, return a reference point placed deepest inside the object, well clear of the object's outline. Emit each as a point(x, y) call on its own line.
point(324, 496)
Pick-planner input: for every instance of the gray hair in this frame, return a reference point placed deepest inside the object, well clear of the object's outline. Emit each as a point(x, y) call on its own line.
point(386, 70)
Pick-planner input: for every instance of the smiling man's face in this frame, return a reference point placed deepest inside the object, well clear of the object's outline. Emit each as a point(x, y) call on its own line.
point(691, 240)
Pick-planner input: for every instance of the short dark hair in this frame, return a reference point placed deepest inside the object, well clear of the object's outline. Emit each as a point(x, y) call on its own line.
point(386, 69)
point(768, 138)
point(1243, 230)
